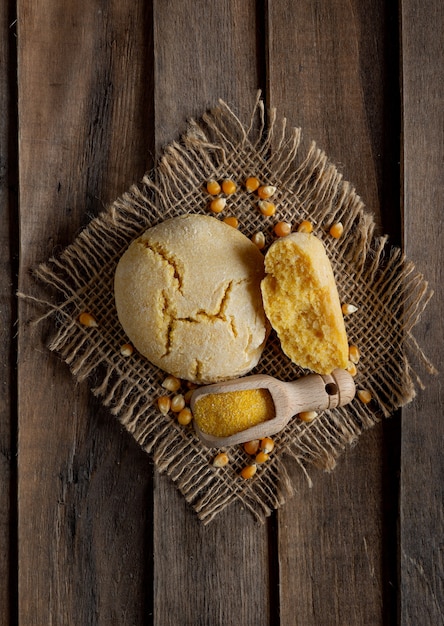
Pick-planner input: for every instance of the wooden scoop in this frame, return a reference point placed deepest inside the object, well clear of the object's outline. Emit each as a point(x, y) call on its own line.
point(309, 393)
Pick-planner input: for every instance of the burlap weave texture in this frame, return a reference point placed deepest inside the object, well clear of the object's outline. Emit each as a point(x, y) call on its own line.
point(386, 289)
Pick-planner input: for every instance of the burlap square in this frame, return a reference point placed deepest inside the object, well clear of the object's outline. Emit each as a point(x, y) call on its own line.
point(389, 294)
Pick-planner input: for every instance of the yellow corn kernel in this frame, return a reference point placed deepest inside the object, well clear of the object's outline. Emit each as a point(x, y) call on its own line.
point(252, 183)
point(262, 457)
point(127, 349)
point(259, 240)
point(249, 471)
point(218, 205)
point(364, 395)
point(213, 187)
point(228, 186)
point(164, 404)
point(282, 229)
point(171, 383)
point(251, 447)
point(266, 191)
point(221, 459)
point(190, 387)
point(336, 230)
point(184, 416)
point(266, 444)
point(86, 319)
point(305, 227)
point(347, 309)
point(187, 396)
point(231, 221)
point(351, 368)
point(308, 416)
point(177, 403)
point(266, 208)
point(354, 354)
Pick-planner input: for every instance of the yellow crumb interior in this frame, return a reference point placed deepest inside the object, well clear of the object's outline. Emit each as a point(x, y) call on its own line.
point(304, 309)
point(224, 414)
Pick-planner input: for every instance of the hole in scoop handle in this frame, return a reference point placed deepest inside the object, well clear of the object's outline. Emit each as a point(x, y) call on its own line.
point(331, 389)
point(317, 393)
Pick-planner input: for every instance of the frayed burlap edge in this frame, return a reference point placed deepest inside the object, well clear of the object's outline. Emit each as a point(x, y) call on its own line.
point(385, 287)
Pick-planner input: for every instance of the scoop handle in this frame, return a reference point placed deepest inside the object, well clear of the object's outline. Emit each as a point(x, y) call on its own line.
point(317, 392)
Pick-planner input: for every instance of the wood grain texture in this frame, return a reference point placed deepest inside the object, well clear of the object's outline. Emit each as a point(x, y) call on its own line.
point(83, 484)
point(326, 74)
point(422, 467)
point(8, 268)
point(204, 52)
point(102, 537)
point(331, 537)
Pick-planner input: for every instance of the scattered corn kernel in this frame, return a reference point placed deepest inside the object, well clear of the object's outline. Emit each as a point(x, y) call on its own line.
point(213, 187)
point(231, 221)
point(251, 447)
point(252, 183)
point(86, 319)
point(164, 404)
point(266, 191)
point(282, 229)
point(347, 309)
point(336, 230)
point(249, 471)
point(184, 417)
point(308, 416)
point(259, 240)
point(228, 186)
point(266, 208)
point(171, 383)
point(364, 395)
point(266, 444)
point(354, 354)
point(127, 349)
point(187, 396)
point(177, 403)
point(351, 368)
point(262, 457)
point(305, 227)
point(218, 205)
point(221, 459)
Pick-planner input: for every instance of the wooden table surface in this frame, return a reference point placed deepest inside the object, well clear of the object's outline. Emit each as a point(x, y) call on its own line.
point(90, 93)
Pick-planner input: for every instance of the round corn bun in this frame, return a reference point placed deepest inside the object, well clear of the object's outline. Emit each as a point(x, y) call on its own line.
point(188, 296)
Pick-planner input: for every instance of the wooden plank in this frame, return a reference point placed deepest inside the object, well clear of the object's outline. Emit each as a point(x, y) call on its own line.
point(84, 107)
point(422, 463)
point(8, 269)
point(326, 74)
point(83, 484)
point(219, 573)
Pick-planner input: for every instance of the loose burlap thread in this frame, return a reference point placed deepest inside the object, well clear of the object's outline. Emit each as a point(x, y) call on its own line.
point(388, 292)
